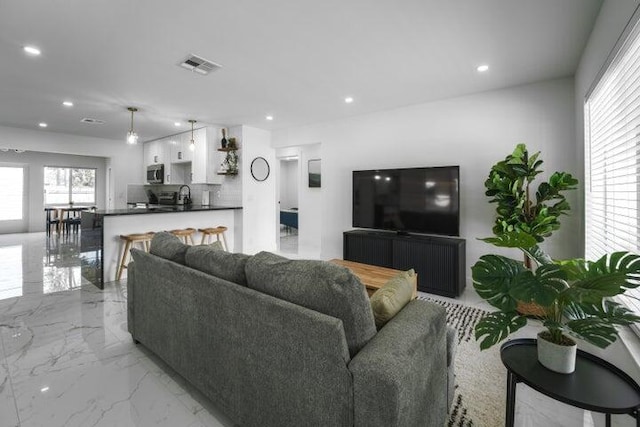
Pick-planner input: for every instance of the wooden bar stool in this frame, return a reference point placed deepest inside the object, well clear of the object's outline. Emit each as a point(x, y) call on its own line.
point(131, 239)
point(185, 234)
point(207, 234)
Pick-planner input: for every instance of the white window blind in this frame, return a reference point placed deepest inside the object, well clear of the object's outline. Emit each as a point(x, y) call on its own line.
point(612, 159)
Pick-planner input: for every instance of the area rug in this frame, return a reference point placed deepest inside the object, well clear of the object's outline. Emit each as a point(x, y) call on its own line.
point(479, 399)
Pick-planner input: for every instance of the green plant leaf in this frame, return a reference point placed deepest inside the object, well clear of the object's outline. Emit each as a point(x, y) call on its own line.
point(496, 326)
point(611, 275)
point(562, 181)
point(537, 254)
point(493, 277)
point(609, 312)
point(593, 330)
point(543, 287)
point(512, 239)
point(520, 151)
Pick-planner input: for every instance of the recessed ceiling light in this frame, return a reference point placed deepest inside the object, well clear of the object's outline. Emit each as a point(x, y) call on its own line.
point(42, 125)
point(177, 124)
point(67, 104)
point(348, 100)
point(482, 68)
point(269, 117)
point(44, 389)
point(32, 50)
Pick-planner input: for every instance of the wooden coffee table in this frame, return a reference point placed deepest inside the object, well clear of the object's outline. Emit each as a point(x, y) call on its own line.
point(372, 276)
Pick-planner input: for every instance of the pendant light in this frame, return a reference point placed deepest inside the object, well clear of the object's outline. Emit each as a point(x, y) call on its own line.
point(132, 136)
point(192, 146)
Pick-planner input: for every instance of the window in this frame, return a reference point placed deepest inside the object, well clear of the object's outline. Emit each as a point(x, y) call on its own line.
point(11, 267)
point(11, 193)
point(612, 159)
point(64, 185)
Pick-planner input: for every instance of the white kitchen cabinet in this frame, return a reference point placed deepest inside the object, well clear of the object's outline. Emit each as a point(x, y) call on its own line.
point(206, 158)
point(183, 165)
point(180, 148)
point(154, 153)
point(177, 173)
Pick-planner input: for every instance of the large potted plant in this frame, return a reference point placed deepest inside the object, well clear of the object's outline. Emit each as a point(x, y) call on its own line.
point(573, 296)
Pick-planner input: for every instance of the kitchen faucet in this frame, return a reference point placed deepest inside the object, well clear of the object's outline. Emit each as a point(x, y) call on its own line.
point(186, 199)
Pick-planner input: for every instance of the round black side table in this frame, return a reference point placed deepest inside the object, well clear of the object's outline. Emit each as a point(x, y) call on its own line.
point(596, 385)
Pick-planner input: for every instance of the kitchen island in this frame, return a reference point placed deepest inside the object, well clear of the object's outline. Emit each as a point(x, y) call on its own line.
point(101, 246)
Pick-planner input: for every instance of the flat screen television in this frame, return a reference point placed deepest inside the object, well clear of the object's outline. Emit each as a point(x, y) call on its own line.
point(420, 200)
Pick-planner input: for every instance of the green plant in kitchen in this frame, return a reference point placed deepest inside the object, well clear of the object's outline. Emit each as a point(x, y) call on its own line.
point(575, 294)
point(231, 162)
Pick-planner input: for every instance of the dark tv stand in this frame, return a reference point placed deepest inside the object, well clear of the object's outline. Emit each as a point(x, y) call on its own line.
point(439, 260)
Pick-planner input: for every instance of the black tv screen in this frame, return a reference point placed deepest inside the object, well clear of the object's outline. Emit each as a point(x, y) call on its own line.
point(421, 200)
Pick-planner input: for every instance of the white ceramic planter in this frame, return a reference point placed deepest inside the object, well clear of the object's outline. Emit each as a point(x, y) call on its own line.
point(558, 358)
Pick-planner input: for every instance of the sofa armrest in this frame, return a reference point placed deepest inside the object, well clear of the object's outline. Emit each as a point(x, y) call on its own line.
point(400, 376)
point(130, 284)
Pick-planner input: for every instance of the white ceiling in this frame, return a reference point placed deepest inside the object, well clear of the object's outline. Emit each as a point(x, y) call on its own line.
point(294, 59)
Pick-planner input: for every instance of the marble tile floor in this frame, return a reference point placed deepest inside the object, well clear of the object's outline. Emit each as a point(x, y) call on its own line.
point(288, 240)
point(66, 358)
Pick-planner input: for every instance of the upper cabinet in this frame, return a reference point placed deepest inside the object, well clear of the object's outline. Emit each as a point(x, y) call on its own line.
point(205, 157)
point(181, 148)
point(182, 165)
point(155, 152)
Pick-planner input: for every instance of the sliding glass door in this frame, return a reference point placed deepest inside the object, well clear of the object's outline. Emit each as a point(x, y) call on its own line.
point(13, 199)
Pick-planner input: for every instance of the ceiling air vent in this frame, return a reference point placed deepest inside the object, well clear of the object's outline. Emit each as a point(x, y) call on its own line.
point(92, 121)
point(199, 65)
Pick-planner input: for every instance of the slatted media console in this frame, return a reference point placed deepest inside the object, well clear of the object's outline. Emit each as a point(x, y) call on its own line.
point(439, 261)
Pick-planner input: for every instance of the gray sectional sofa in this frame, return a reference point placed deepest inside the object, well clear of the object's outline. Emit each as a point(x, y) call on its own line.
point(276, 342)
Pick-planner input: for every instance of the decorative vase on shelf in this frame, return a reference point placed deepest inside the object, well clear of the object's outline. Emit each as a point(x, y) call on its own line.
point(560, 358)
point(223, 142)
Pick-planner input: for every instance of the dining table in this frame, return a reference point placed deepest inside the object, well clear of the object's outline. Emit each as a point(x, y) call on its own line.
point(64, 213)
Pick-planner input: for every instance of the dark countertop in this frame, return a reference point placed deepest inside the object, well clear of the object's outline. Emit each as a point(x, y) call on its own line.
point(162, 209)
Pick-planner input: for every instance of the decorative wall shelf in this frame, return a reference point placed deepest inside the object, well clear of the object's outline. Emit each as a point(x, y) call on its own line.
point(227, 149)
point(227, 173)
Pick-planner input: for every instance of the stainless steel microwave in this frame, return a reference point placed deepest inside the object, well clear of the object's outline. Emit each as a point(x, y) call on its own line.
point(155, 174)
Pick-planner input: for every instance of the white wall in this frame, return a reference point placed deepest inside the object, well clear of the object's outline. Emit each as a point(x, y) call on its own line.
point(473, 131)
point(258, 197)
point(36, 162)
point(612, 20)
point(124, 160)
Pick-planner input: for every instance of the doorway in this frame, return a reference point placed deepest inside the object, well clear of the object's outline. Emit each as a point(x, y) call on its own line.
point(288, 203)
point(14, 208)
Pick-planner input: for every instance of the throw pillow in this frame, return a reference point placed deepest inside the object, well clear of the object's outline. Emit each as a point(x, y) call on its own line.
point(387, 301)
point(321, 286)
point(168, 246)
point(211, 259)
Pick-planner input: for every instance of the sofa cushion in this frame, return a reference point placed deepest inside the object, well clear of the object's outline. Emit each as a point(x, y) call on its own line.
point(387, 301)
point(321, 286)
point(216, 245)
point(167, 246)
point(211, 259)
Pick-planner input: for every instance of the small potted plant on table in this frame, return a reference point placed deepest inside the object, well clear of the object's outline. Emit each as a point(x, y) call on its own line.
point(573, 297)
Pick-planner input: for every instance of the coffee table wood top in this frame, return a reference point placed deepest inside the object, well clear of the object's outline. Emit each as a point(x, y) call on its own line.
point(372, 276)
